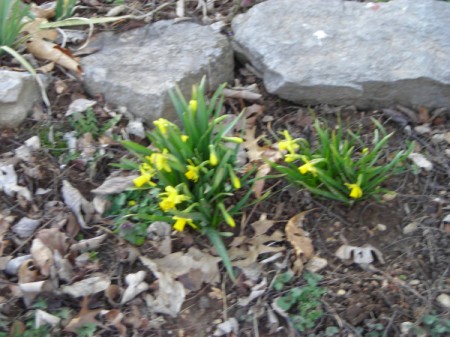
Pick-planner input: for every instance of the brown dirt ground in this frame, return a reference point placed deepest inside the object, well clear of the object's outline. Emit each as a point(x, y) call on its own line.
point(403, 288)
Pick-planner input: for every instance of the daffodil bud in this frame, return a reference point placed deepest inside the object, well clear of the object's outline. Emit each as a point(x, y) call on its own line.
point(213, 160)
point(193, 105)
point(236, 140)
point(226, 216)
point(234, 178)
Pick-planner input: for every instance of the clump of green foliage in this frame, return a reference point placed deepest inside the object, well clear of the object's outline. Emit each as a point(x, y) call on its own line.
point(87, 122)
point(64, 9)
point(12, 14)
point(128, 209)
point(302, 304)
point(192, 170)
point(340, 166)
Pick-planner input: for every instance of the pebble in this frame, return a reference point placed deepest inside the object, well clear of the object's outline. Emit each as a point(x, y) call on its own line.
point(438, 138)
point(410, 228)
point(380, 227)
point(315, 264)
point(444, 300)
point(447, 137)
point(422, 129)
point(341, 292)
point(414, 282)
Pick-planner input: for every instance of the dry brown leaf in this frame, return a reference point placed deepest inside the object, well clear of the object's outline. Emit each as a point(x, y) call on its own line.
point(136, 285)
point(113, 294)
point(170, 295)
point(50, 51)
point(77, 203)
point(114, 185)
point(244, 94)
point(85, 316)
point(88, 244)
point(44, 318)
point(28, 272)
point(64, 268)
point(54, 239)
point(31, 290)
point(43, 12)
point(88, 286)
point(42, 256)
point(261, 172)
point(168, 298)
point(302, 244)
point(114, 317)
point(262, 225)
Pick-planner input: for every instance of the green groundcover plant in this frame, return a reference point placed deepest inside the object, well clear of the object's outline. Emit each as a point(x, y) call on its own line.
point(191, 171)
point(339, 166)
point(12, 14)
point(64, 8)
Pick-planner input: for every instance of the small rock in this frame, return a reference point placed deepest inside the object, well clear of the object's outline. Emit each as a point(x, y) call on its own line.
point(444, 300)
point(407, 327)
point(410, 228)
point(18, 92)
point(138, 68)
point(447, 137)
point(341, 292)
point(438, 138)
point(414, 282)
point(315, 264)
point(447, 152)
point(423, 129)
point(380, 227)
point(310, 58)
point(421, 161)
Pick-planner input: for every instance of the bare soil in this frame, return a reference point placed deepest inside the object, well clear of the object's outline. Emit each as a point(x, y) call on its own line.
point(361, 300)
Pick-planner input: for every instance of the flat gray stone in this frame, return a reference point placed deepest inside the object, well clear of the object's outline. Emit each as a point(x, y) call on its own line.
point(18, 92)
point(342, 52)
point(136, 69)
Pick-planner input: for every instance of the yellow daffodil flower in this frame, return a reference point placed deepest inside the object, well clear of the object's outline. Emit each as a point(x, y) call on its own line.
point(213, 160)
point(181, 222)
point(288, 144)
point(162, 125)
point(184, 138)
point(193, 105)
point(171, 198)
point(291, 157)
point(141, 180)
point(355, 190)
point(146, 168)
point(192, 172)
point(161, 160)
point(308, 166)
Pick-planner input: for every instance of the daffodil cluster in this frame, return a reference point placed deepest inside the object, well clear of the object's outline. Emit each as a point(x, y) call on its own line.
point(194, 168)
point(340, 166)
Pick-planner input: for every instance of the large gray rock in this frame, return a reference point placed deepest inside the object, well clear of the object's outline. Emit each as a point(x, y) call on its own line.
point(18, 92)
point(136, 69)
point(341, 52)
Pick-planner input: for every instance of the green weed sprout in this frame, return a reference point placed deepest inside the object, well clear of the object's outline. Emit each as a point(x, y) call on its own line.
point(12, 14)
point(192, 169)
point(302, 304)
point(64, 9)
point(340, 167)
